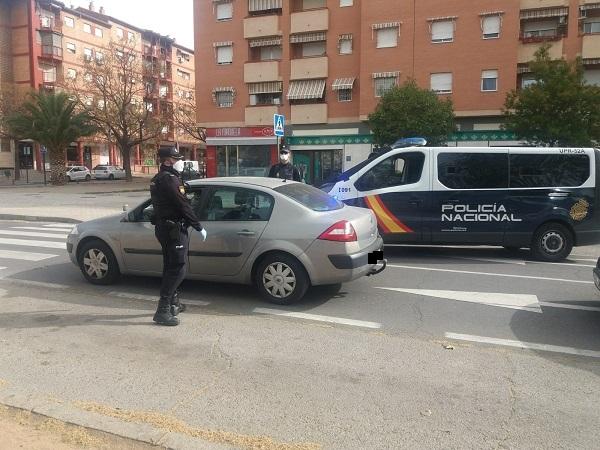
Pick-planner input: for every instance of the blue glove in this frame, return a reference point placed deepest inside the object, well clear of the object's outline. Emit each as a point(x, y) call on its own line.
point(203, 233)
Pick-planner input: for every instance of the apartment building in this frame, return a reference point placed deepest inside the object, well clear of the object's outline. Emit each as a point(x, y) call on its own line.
point(44, 42)
point(324, 64)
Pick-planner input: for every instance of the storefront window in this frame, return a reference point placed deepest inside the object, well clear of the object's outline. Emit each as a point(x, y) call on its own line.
point(243, 160)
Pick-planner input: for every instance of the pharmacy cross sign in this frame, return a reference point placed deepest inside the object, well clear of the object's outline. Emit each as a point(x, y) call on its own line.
point(278, 125)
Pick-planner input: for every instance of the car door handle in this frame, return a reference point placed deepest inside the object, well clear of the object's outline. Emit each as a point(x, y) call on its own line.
point(246, 233)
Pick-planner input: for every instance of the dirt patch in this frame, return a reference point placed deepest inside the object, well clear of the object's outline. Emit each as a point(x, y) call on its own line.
point(174, 425)
point(22, 429)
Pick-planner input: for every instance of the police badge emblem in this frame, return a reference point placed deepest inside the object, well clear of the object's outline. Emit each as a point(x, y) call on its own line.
point(579, 210)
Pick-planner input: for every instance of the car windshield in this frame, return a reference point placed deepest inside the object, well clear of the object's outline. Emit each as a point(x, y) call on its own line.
point(310, 197)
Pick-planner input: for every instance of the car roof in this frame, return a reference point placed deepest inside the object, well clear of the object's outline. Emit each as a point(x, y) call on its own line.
point(270, 183)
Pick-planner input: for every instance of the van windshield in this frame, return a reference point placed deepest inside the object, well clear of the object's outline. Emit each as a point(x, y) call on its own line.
point(344, 176)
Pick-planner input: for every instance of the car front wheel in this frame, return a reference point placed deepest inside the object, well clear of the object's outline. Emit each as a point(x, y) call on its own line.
point(88, 178)
point(98, 263)
point(552, 242)
point(281, 279)
point(111, 177)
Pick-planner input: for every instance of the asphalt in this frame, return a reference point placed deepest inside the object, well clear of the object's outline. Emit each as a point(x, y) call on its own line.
point(367, 367)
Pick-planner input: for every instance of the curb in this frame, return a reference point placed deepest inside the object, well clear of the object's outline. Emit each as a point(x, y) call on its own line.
point(69, 414)
point(28, 218)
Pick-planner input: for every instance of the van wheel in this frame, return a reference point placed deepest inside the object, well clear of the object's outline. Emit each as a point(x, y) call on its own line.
point(552, 242)
point(98, 263)
point(281, 279)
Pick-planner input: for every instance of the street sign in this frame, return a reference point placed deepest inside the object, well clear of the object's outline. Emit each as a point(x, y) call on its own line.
point(279, 124)
point(43, 149)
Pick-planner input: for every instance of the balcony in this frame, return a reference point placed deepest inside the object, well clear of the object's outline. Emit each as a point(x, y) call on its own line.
point(305, 68)
point(262, 26)
point(50, 24)
point(307, 114)
point(52, 52)
point(530, 37)
point(527, 51)
point(591, 46)
point(260, 115)
point(534, 4)
point(255, 72)
point(307, 21)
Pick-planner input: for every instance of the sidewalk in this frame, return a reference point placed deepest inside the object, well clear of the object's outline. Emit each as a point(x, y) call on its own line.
point(74, 202)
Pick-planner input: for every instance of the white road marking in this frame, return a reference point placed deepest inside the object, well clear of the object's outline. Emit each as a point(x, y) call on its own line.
point(31, 243)
point(153, 298)
point(25, 256)
point(583, 259)
point(318, 318)
point(560, 264)
point(524, 345)
point(35, 283)
point(54, 230)
point(569, 306)
point(32, 234)
point(493, 260)
point(3, 268)
point(524, 302)
point(66, 226)
point(488, 274)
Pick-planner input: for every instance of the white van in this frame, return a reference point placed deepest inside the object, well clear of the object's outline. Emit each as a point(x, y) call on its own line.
point(544, 199)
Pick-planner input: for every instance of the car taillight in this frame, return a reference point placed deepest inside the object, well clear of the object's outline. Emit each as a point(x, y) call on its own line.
point(342, 231)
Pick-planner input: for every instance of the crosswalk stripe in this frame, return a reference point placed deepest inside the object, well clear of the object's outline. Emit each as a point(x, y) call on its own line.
point(31, 243)
point(25, 256)
point(318, 318)
point(153, 298)
point(59, 225)
point(32, 234)
point(48, 230)
point(41, 284)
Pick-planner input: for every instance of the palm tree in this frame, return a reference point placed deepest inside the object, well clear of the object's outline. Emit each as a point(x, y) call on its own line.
point(51, 120)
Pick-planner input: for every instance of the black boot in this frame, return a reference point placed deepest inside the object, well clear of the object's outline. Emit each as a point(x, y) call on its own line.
point(163, 315)
point(176, 306)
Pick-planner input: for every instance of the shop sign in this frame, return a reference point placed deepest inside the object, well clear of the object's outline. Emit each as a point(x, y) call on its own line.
point(237, 132)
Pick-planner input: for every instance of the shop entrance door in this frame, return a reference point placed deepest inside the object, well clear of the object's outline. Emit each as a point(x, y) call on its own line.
point(317, 166)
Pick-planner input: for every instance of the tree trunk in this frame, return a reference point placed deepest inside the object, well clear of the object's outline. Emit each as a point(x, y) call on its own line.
point(126, 154)
point(15, 145)
point(58, 169)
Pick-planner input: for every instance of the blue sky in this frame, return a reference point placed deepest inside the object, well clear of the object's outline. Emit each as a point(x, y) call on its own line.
point(168, 17)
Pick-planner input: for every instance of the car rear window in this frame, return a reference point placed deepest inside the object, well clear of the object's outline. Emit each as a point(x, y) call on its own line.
point(100, 168)
point(310, 197)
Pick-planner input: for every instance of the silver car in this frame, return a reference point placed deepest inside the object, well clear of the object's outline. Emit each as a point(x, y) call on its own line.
point(280, 236)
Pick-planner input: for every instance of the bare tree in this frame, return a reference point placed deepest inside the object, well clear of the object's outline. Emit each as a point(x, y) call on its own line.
point(184, 117)
point(112, 90)
point(11, 102)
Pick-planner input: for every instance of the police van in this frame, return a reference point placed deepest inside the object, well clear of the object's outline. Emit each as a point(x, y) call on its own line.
point(544, 199)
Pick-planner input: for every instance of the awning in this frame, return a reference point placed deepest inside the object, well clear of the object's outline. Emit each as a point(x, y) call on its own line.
point(439, 19)
point(265, 42)
point(222, 1)
point(491, 13)
point(380, 26)
point(386, 75)
point(589, 7)
point(264, 5)
point(306, 89)
point(343, 83)
point(591, 61)
point(344, 37)
point(308, 37)
point(544, 13)
point(222, 44)
point(267, 87)
point(523, 69)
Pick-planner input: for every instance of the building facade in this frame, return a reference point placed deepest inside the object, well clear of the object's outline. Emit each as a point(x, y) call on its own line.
point(324, 64)
point(44, 42)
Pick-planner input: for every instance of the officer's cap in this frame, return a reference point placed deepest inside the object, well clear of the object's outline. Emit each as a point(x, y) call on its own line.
point(169, 152)
point(284, 150)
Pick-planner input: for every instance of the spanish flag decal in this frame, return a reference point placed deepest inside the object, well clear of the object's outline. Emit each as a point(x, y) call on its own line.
point(386, 220)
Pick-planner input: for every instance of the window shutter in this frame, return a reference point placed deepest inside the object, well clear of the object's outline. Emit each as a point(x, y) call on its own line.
point(224, 11)
point(313, 49)
point(387, 37)
point(441, 82)
point(225, 54)
point(491, 26)
point(346, 2)
point(442, 31)
point(346, 46)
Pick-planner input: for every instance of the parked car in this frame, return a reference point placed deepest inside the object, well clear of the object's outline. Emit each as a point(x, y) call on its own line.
point(597, 274)
point(190, 171)
point(78, 173)
point(280, 236)
point(106, 172)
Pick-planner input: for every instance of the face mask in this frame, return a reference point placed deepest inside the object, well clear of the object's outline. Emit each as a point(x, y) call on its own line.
point(284, 158)
point(178, 166)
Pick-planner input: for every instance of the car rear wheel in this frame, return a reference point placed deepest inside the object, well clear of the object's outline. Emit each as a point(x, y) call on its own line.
point(281, 279)
point(88, 178)
point(111, 177)
point(98, 263)
point(68, 179)
point(552, 242)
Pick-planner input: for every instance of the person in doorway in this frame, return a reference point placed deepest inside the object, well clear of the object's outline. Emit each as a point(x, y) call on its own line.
point(285, 169)
point(173, 216)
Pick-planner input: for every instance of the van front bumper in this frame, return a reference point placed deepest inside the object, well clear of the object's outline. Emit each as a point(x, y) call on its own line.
point(591, 237)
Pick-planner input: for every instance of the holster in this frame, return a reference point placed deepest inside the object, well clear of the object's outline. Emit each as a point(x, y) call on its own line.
point(174, 228)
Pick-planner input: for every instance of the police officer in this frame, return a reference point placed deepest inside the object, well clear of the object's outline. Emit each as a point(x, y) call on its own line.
point(173, 215)
point(285, 169)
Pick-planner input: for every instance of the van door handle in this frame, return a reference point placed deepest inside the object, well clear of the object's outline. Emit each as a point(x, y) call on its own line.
point(414, 202)
point(559, 194)
point(452, 200)
point(246, 233)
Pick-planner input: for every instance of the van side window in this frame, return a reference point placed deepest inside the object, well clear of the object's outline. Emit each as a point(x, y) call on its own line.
point(530, 171)
point(397, 170)
point(473, 170)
